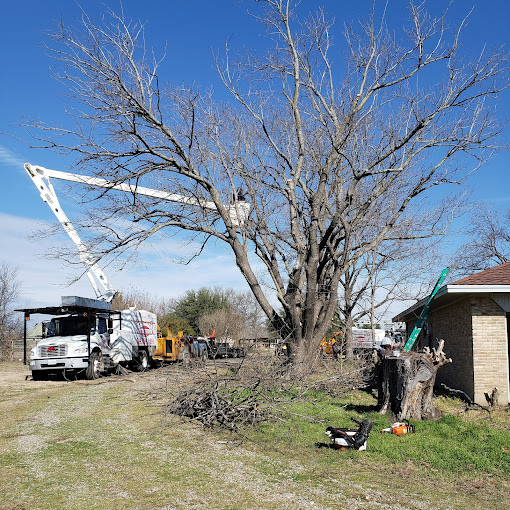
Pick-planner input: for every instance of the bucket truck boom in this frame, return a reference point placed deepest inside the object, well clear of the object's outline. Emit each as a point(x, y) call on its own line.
point(106, 338)
point(238, 211)
point(100, 283)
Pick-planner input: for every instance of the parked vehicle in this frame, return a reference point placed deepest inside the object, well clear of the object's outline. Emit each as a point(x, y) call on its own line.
point(331, 347)
point(179, 347)
point(362, 338)
point(194, 348)
point(225, 350)
point(167, 347)
point(86, 336)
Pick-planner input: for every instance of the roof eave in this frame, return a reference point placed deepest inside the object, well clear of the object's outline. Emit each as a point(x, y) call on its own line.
point(454, 289)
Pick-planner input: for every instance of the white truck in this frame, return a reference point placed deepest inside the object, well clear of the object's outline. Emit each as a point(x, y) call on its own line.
point(362, 338)
point(84, 336)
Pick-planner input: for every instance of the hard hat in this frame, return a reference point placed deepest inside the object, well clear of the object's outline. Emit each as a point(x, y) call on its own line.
point(385, 341)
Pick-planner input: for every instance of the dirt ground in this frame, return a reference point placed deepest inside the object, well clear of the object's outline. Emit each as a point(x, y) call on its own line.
point(87, 444)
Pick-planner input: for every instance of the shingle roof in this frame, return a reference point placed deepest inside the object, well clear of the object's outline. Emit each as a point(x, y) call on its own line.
point(499, 275)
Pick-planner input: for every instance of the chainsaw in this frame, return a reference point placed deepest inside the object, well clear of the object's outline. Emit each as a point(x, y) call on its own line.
point(399, 428)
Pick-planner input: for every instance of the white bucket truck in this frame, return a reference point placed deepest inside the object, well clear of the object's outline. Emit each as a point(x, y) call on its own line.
point(86, 336)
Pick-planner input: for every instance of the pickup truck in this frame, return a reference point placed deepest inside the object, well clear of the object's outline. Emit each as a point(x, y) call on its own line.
point(224, 350)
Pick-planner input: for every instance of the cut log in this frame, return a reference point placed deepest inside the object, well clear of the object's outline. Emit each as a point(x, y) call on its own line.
point(407, 382)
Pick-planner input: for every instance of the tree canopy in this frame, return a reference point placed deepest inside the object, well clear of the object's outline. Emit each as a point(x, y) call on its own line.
point(197, 303)
point(11, 322)
point(488, 241)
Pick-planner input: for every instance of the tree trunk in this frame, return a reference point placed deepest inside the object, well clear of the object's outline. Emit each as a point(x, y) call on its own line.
point(349, 343)
point(406, 384)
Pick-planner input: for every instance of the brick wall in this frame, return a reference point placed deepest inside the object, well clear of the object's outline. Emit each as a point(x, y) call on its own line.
point(453, 324)
point(490, 350)
point(475, 333)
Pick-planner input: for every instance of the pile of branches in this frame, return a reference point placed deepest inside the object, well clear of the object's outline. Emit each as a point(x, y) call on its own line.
point(225, 407)
point(246, 393)
point(260, 389)
point(338, 378)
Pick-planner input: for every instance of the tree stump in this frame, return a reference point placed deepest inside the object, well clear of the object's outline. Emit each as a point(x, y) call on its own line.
point(407, 382)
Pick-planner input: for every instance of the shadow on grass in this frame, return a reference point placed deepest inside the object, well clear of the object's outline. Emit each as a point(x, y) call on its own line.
point(361, 408)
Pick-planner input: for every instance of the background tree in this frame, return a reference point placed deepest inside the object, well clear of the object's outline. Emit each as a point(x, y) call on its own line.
point(226, 322)
point(141, 300)
point(174, 324)
point(488, 241)
point(319, 147)
point(246, 307)
point(197, 303)
point(396, 271)
point(11, 322)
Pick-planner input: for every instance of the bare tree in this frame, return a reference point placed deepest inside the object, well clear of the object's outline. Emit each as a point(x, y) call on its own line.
point(142, 300)
point(225, 322)
point(394, 271)
point(243, 318)
point(11, 326)
point(331, 157)
point(488, 241)
point(247, 307)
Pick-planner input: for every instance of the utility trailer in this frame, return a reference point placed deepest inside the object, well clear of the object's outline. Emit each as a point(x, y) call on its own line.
point(225, 350)
point(84, 336)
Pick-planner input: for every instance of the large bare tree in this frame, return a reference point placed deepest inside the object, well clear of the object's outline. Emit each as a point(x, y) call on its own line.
point(333, 146)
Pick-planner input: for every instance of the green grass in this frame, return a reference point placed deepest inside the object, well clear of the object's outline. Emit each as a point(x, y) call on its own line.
point(449, 446)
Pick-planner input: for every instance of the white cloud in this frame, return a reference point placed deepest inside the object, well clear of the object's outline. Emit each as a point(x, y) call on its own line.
point(9, 158)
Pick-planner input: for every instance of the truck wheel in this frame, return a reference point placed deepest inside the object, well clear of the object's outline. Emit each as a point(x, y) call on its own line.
point(142, 363)
point(93, 371)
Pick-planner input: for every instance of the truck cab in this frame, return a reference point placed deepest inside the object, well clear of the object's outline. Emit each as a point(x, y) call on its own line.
point(68, 342)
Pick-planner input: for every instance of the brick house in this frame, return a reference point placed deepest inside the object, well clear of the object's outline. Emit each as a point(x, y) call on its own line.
point(472, 316)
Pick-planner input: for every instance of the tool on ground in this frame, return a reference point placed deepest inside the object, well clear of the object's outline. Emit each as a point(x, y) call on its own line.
point(345, 439)
point(399, 428)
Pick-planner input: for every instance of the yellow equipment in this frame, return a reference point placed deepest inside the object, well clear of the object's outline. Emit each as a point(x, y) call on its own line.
point(326, 345)
point(169, 346)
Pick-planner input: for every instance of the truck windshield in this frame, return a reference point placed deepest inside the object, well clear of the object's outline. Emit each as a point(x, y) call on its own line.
point(66, 326)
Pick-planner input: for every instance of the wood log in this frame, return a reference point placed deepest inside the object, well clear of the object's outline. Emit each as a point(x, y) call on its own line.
point(407, 383)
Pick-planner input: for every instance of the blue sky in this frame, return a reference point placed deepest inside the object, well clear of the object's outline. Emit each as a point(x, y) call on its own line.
point(191, 31)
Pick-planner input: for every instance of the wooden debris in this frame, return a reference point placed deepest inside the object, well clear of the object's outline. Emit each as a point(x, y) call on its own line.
point(466, 398)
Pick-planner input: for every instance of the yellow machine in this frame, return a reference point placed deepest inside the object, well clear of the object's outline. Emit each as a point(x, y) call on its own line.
point(326, 345)
point(169, 346)
point(180, 347)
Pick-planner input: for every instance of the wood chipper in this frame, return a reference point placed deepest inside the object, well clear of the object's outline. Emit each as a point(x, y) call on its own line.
point(169, 346)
